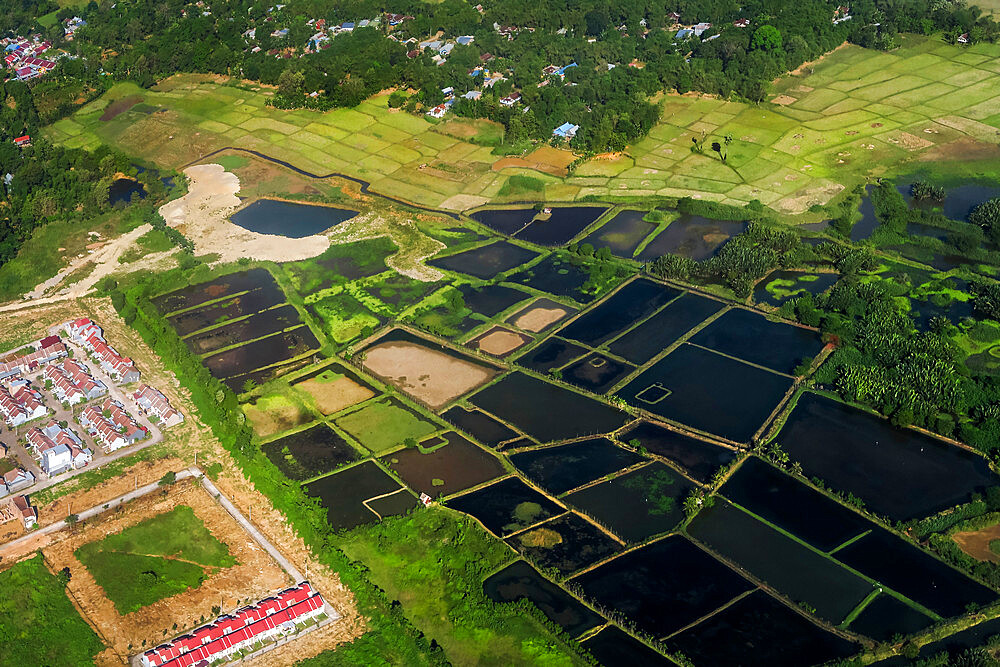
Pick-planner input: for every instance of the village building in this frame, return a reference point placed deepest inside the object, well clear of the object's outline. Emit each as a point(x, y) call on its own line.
point(47, 350)
point(566, 131)
point(19, 403)
point(28, 513)
point(17, 479)
point(153, 402)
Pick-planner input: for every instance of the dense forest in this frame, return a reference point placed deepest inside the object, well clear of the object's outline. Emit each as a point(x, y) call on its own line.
point(625, 52)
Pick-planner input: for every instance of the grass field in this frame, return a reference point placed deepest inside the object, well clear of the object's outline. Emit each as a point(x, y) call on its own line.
point(38, 624)
point(154, 559)
point(854, 114)
point(382, 425)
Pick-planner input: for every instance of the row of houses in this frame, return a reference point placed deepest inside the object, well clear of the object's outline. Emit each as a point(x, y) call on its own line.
point(14, 480)
point(72, 382)
point(44, 351)
point(111, 425)
point(20, 403)
point(91, 337)
point(23, 57)
point(230, 633)
point(152, 402)
point(58, 449)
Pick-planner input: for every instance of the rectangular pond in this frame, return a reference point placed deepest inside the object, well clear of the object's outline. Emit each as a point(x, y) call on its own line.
point(563, 467)
point(505, 220)
point(491, 300)
point(561, 226)
point(567, 544)
point(885, 617)
point(611, 646)
point(254, 301)
point(708, 391)
point(897, 472)
point(664, 328)
point(261, 353)
point(486, 262)
point(195, 295)
point(632, 303)
point(545, 411)
point(506, 507)
point(622, 234)
point(448, 469)
point(289, 219)
point(562, 275)
point(479, 425)
point(750, 336)
point(309, 453)
point(256, 326)
point(597, 373)
point(553, 353)
point(701, 459)
point(691, 236)
point(343, 494)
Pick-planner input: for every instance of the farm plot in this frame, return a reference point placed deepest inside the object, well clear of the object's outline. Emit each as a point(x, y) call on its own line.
point(499, 341)
point(384, 424)
point(637, 505)
point(699, 458)
point(479, 425)
point(310, 453)
point(274, 413)
point(708, 391)
point(347, 495)
point(664, 586)
point(622, 234)
point(507, 506)
point(751, 337)
point(447, 469)
point(333, 389)
point(520, 581)
point(486, 262)
point(898, 473)
point(632, 303)
point(567, 543)
point(564, 467)
point(544, 411)
point(540, 315)
point(664, 328)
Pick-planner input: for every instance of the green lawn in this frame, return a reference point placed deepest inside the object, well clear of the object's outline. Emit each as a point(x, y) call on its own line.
point(155, 559)
point(381, 426)
point(416, 561)
point(38, 624)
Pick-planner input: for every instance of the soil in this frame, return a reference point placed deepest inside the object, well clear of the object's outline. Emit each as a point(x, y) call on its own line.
point(203, 213)
point(965, 148)
point(537, 319)
point(803, 199)
point(274, 419)
point(334, 396)
point(500, 342)
point(912, 142)
point(546, 159)
point(784, 100)
point(120, 106)
point(432, 377)
point(977, 543)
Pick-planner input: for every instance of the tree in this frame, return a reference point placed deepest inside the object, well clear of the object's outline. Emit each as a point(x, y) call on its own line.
point(291, 84)
point(766, 38)
point(168, 478)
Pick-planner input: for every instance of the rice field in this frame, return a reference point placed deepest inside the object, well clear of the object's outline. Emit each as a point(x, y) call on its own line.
point(856, 113)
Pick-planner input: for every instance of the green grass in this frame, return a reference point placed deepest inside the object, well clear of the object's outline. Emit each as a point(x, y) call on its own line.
point(38, 623)
point(155, 559)
point(381, 426)
point(416, 560)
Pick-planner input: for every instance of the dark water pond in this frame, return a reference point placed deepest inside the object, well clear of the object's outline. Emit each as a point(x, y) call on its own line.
point(622, 234)
point(256, 326)
point(238, 383)
point(792, 569)
point(789, 504)
point(781, 286)
point(547, 412)
point(309, 453)
point(398, 503)
point(613, 648)
point(479, 425)
point(923, 311)
point(664, 328)
point(123, 189)
point(457, 466)
point(519, 580)
point(751, 336)
point(699, 458)
point(195, 295)
point(560, 228)
point(505, 220)
point(507, 506)
point(567, 543)
point(486, 261)
point(556, 275)
point(563, 467)
point(633, 302)
point(759, 631)
point(691, 236)
point(918, 229)
point(491, 300)
point(914, 573)
point(637, 505)
point(898, 473)
point(708, 391)
point(289, 219)
point(663, 586)
point(885, 617)
point(254, 301)
point(261, 353)
point(864, 227)
point(553, 353)
point(343, 493)
point(596, 373)
point(960, 201)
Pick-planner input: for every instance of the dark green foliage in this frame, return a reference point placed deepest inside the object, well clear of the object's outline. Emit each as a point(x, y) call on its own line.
point(924, 191)
point(750, 256)
point(987, 216)
point(986, 298)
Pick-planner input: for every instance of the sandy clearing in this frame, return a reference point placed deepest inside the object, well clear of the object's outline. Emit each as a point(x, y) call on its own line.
point(977, 543)
point(203, 213)
point(537, 319)
point(463, 202)
point(336, 395)
point(803, 199)
point(414, 246)
point(432, 377)
point(784, 100)
point(500, 342)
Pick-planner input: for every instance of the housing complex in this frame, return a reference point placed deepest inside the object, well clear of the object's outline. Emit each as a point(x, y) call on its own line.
point(46, 350)
point(73, 383)
point(20, 403)
point(58, 449)
point(90, 336)
point(22, 57)
point(111, 425)
point(14, 480)
point(229, 634)
point(152, 402)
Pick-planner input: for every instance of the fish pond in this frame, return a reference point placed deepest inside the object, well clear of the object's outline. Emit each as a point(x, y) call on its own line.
point(231, 308)
point(553, 353)
point(637, 505)
point(124, 190)
point(505, 220)
point(479, 425)
point(256, 326)
point(708, 391)
point(486, 262)
point(559, 227)
point(445, 469)
point(632, 303)
point(520, 581)
point(864, 227)
point(886, 617)
point(612, 647)
point(231, 284)
point(691, 236)
point(309, 453)
point(751, 337)
point(664, 328)
point(506, 507)
point(563, 467)
point(622, 234)
point(262, 352)
point(491, 300)
point(567, 543)
point(563, 275)
point(344, 493)
point(545, 411)
point(289, 219)
point(898, 473)
point(596, 373)
point(699, 458)
point(663, 586)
